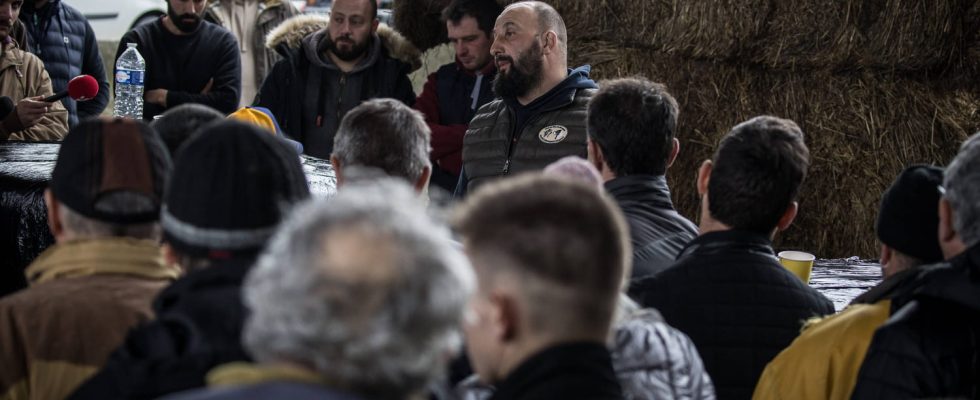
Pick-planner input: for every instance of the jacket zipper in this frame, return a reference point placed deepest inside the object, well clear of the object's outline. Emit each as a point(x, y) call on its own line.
point(515, 136)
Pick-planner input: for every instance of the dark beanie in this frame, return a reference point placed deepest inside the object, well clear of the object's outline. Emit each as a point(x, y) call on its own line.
point(102, 157)
point(232, 184)
point(908, 220)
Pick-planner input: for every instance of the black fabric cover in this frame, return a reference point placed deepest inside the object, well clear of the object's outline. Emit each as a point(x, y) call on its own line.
point(729, 293)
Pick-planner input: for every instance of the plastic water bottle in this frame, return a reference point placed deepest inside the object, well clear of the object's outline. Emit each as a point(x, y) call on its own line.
point(130, 68)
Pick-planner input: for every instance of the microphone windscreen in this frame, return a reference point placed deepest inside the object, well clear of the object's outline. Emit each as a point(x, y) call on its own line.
point(83, 87)
point(6, 106)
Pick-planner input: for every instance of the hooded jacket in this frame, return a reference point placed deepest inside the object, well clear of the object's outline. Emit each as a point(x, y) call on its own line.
point(930, 347)
point(506, 137)
point(61, 37)
point(198, 327)
point(84, 296)
point(309, 94)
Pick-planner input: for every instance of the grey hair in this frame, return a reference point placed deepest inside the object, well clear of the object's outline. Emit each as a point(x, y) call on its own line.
point(962, 184)
point(381, 338)
point(80, 226)
point(384, 134)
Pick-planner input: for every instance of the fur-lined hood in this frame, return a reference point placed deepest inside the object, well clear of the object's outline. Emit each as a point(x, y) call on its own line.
point(290, 34)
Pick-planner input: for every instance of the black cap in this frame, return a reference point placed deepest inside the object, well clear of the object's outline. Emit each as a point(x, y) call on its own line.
point(102, 157)
point(232, 184)
point(908, 220)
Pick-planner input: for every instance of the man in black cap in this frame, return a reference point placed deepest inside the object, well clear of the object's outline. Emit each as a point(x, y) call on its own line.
point(230, 188)
point(832, 350)
point(100, 277)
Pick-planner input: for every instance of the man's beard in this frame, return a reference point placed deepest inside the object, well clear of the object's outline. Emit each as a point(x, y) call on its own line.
point(356, 49)
point(522, 75)
point(179, 20)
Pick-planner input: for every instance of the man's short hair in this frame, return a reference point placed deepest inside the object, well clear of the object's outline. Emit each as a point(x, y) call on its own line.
point(633, 121)
point(363, 288)
point(963, 191)
point(485, 12)
point(758, 169)
point(384, 134)
point(565, 240)
point(81, 226)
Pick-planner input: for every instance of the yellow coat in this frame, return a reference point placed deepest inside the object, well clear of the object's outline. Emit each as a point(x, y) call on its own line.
point(823, 362)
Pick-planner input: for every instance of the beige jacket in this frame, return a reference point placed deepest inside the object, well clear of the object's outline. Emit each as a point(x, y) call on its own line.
point(22, 75)
point(84, 297)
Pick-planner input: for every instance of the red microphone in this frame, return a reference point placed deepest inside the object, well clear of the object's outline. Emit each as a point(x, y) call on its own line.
point(80, 88)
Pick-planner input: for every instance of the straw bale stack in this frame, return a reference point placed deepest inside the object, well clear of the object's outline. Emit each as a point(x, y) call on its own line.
point(876, 85)
point(862, 129)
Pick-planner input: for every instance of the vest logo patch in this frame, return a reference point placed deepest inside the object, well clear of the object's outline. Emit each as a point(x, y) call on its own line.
point(553, 134)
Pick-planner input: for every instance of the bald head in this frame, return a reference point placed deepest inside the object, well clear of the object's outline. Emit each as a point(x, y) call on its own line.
point(547, 18)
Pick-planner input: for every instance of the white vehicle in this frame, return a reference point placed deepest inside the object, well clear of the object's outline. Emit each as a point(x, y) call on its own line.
point(111, 19)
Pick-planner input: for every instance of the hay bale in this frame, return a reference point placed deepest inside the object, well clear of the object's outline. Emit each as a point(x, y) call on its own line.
point(862, 129)
point(902, 35)
point(883, 34)
point(420, 22)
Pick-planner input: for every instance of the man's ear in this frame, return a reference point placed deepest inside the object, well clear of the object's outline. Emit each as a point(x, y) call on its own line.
point(704, 176)
point(594, 154)
point(675, 149)
point(374, 26)
point(550, 42)
point(54, 215)
point(170, 256)
point(335, 163)
point(505, 315)
point(423, 182)
point(788, 216)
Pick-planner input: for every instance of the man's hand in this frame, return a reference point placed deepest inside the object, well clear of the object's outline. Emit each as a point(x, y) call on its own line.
point(30, 110)
point(156, 96)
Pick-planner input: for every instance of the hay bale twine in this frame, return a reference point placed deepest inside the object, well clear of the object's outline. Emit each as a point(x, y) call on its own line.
point(861, 128)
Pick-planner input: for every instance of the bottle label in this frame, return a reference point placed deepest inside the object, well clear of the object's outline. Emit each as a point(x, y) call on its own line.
point(128, 76)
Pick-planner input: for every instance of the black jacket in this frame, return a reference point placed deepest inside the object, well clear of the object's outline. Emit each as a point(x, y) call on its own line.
point(61, 37)
point(729, 293)
point(506, 137)
point(581, 371)
point(309, 95)
point(198, 327)
point(929, 347)
point(658, 232)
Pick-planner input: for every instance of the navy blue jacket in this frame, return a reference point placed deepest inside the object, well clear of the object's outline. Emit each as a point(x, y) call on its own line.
point(61, 37)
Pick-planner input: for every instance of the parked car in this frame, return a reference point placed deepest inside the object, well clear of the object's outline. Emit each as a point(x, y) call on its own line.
point(112, 19)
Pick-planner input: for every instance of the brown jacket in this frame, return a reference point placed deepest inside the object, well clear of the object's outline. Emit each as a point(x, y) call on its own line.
point(84, 296)
point(22, 75)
